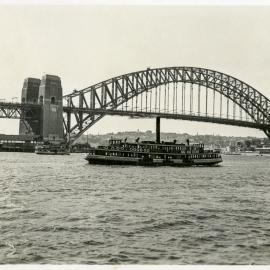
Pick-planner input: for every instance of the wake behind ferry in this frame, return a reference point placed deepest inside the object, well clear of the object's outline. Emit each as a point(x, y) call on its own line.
point(153, 153)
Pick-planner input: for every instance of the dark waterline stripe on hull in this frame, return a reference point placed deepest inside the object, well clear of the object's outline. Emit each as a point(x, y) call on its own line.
point(144, 163)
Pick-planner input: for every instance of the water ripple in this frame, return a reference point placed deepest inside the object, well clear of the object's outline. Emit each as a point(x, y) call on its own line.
point(61, 210)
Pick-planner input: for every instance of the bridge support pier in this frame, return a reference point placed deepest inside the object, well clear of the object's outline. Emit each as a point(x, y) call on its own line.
point(158, 129)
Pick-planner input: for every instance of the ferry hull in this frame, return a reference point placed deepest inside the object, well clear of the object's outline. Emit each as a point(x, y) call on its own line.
point(108, 160)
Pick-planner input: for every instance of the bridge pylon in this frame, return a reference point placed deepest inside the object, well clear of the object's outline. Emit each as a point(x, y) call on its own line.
point(51, 99)
point(30, 95)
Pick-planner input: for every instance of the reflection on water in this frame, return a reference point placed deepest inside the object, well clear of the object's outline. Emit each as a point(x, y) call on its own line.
point(59, 209)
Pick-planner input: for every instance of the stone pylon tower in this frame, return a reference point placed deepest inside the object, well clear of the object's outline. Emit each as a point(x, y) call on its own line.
point(30, 92)
point(50, 96)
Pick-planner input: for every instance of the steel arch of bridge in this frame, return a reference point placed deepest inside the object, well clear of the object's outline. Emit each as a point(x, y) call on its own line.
point(103, 98)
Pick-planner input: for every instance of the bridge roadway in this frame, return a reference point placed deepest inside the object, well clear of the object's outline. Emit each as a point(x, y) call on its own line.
point(17, 111)
point(168, 115)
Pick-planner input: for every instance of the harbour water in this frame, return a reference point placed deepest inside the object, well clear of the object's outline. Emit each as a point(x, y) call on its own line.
point(59, 209)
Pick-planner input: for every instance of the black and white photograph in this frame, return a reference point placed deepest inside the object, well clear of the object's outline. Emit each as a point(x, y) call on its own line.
point(134, 134)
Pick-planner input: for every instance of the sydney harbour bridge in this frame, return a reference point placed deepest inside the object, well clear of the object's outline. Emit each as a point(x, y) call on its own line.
point(187, 93)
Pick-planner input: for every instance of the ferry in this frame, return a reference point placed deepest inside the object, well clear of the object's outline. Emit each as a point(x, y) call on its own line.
point(51, 149)
point(151, 153)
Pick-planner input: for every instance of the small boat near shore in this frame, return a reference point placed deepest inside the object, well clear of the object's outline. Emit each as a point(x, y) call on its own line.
point(264, 150)
point(52, 149)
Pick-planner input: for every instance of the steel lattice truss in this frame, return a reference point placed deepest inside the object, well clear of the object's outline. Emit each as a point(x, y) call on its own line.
point(92, 103)
point(17, 110)
point(21, 111)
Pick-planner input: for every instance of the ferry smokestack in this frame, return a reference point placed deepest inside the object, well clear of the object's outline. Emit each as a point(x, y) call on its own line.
point(158, 130)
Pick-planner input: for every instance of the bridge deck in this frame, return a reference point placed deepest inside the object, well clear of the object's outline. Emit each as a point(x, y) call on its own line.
point(15, 110)
point(189, 117)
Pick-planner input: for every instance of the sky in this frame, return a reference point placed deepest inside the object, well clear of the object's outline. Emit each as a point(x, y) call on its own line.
point(86, 44)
